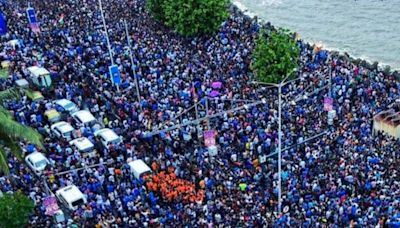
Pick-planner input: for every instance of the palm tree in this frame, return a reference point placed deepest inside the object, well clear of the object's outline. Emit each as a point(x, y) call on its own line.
point(11, 132)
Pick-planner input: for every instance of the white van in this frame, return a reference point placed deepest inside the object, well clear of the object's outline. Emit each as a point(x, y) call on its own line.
point(62, 130)
point(39, 76)
point(71, 197)
point(139, 168)
point(107, 137)
point(84, 118)
point(84, 145)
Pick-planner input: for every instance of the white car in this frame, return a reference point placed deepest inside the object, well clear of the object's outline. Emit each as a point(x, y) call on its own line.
point(139, 168)
point(62, 130)
point(71, 197)
point(84, 118)
point(37, 162)
point(107, 137)
point(84, 146)
point(64, 105)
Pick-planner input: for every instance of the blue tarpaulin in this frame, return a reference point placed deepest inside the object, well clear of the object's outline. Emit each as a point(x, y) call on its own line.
point(3, 24)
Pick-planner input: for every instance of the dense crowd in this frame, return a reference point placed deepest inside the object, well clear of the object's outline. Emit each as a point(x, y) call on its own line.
point(347, 177)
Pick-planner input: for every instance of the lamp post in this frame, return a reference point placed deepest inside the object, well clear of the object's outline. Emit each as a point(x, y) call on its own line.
point(299, 97)
point(132, 63)
point(107, 38)
point(279, 86)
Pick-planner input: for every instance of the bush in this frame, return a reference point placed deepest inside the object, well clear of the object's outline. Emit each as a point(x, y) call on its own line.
point(275, 56)
point(190, 17)
point(15, 210)
point(156, 9)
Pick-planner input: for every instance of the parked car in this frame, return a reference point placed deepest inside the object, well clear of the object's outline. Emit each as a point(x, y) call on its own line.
point(84, 118)
point(84, 145)
point(37, 162)
point(22, 83)
point(35, 96)
point(62, 130)
point(71, 197)
point(66, 106)
point(52, 115)
point(107, 137)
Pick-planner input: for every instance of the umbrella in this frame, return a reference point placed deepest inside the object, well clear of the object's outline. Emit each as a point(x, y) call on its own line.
point(214, 93)
point(216, 85)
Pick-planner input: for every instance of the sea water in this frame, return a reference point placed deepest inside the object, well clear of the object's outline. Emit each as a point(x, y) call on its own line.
point(367, 29)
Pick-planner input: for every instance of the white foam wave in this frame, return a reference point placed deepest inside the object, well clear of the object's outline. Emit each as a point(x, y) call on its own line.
point(243, 8)
point(271, 2)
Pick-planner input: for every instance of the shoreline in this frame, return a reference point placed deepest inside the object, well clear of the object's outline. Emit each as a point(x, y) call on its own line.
point(366, 62)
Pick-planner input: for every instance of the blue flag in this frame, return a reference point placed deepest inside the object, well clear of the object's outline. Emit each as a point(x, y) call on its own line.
point(3, 24)
point(32, 20)
point(31, 15)
point(115, 75)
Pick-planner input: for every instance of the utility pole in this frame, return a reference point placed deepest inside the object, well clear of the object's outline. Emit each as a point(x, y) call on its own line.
point(132, 65)
point(280, 148)
point(208, 120)
point(330, 76)
point(107, 38)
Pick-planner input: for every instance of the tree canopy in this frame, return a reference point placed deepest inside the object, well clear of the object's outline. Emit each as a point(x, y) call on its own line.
point(190, 17)
point(15, 210)
point(275, 56)
point(11, 132)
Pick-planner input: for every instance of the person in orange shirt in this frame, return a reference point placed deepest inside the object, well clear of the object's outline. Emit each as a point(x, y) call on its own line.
point(154, 166)
point(202, 184)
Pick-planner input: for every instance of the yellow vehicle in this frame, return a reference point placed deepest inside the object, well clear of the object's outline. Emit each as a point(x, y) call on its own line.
point(4, 69)
point(35, 95)
point(52, 115)
point(5, 64)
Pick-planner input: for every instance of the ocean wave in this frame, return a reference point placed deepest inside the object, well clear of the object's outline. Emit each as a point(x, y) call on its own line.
point(243, 8)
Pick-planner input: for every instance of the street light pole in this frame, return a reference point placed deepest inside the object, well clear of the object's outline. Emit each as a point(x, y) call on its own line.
point(132, 64)
point(106, 32)
point(330, 75)
point(193, 97)
point(107, 38)
point(280, 148)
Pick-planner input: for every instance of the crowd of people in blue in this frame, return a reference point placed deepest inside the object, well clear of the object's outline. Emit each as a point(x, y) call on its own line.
point(347, 177)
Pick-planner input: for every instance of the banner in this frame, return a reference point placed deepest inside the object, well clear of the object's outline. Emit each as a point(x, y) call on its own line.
point(328, 104)
point(51, 205)
point(33, 23)
point(3, 24)
point(209, 138)
point(115, 75)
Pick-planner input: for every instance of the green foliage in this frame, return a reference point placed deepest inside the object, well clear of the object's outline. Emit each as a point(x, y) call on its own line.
point(275, 57)
point(155, 7)
point(12, 132)
point(15, 210)
point(3, 73)
point(190, 17)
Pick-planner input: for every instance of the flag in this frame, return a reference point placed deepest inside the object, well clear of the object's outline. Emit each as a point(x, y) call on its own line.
point(35, 27)
point(61, 20)
point(32, 20)
point(3, 24)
